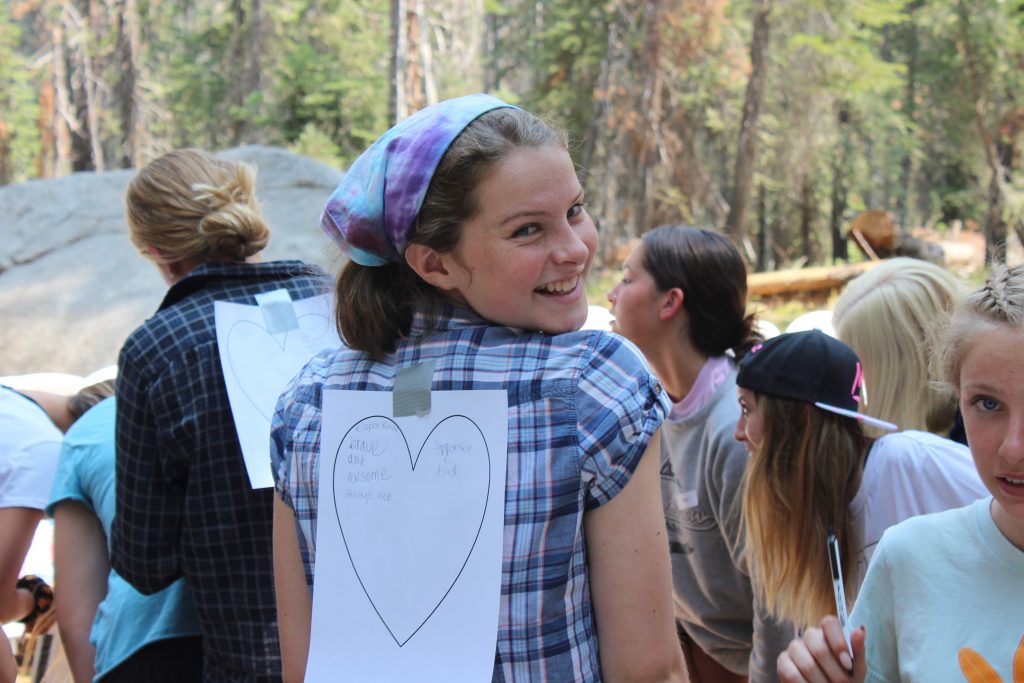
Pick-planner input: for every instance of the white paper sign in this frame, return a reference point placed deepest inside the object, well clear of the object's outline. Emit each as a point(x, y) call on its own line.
point(257, 365)
point(410, 529)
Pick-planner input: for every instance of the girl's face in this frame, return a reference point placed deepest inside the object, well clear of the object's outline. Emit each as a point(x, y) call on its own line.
point(750, 427)
point(992, 402)
point(636, 301)
point(524, 258)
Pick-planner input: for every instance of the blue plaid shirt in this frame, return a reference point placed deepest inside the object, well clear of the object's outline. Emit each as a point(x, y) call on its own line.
point(582, 408)
point(184, 505)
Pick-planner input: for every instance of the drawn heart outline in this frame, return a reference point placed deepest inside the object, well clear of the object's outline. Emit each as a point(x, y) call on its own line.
point(280, 341)
point(412, 464)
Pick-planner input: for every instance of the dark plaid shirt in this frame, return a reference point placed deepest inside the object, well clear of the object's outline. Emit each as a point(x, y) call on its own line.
point(184, 504)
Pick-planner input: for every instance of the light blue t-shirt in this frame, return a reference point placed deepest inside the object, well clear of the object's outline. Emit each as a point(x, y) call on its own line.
point(126, 620)
point(942, 600)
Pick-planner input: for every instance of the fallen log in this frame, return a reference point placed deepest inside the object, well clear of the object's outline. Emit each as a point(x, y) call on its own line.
point(796, 280)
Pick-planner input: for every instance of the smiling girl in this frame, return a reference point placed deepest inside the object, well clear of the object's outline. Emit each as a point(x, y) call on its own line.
point(942, 599)
point(470, 246)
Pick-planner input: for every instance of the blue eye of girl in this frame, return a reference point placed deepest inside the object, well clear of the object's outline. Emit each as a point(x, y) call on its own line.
point(987, 404)
point(526, 230)
point(575, 210)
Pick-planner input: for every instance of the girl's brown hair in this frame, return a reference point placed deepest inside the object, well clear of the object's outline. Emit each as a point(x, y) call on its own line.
point(798, 486)
point(375, 305)
point(711, 273)
point(192, 206)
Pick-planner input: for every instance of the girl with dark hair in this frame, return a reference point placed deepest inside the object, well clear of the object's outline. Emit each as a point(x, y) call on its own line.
point(683, 301)
point(470, 247)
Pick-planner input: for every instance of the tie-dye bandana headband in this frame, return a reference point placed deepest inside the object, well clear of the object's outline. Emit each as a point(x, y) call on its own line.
point(373, 211)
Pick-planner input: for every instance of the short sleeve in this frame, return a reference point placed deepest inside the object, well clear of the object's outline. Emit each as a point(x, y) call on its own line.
point(26, 476)
point(67, 485)
point(294, 456)
point(874, 610)
point(294, 436)
point(619, 407)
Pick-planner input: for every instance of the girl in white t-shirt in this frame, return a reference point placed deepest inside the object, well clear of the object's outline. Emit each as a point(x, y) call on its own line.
point(945, 590)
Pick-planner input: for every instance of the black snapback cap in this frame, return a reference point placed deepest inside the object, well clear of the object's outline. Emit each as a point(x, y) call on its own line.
point(811, 367)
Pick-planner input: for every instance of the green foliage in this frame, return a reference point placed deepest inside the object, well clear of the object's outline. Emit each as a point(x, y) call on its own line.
point(19, 110)
point(884, 100)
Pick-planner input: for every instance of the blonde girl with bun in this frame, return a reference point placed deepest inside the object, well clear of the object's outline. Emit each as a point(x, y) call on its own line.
point(184, 504)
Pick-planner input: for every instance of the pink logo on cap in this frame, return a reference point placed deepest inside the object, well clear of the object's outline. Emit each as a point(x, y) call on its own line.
point(755, 348)
point(858, 379)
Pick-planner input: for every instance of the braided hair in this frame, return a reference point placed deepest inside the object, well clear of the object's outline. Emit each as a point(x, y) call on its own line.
point(999, 302)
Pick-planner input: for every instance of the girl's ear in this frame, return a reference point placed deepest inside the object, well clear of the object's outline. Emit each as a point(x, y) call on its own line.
point(432, 266)
point(671, 304)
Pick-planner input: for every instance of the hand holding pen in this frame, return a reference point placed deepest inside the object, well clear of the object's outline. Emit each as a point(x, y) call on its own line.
point(837, 585)
point(832, 652)
point(821, 654)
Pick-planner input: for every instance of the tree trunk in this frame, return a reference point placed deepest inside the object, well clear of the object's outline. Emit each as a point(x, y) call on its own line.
point(905, 204)
point(63, 117)
point(399, 50)
point(839, 189)
point(746, 149)
point(762, 230)
point(806, 217)
point(610, 153)
point(650, 118)
point(246, 50)
point(415, 95)
point(128, 93)
point(995, 222)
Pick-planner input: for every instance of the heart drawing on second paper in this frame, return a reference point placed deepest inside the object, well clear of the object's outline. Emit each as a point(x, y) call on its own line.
point(282, 356)
point(410, 524)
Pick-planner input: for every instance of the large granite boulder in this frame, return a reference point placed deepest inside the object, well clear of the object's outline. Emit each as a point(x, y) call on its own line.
point(72, 285)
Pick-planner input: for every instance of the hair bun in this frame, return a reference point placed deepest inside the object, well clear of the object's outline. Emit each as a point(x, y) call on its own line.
point(234, 229)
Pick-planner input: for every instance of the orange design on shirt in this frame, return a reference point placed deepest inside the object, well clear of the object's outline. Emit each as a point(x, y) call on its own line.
point(977, 670)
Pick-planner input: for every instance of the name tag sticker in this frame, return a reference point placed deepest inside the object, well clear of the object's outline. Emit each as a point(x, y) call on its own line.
point(685, 500)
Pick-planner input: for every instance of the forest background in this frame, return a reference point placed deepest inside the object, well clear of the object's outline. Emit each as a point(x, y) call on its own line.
point(776, 121)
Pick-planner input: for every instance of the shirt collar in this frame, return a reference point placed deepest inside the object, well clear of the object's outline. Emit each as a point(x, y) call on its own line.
point(205, 273)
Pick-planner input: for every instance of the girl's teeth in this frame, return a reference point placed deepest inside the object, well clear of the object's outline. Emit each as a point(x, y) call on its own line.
point(563, 286)
point(1018, 482)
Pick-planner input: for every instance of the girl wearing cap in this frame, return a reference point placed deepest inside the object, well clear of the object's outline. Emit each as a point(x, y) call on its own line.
point(683, 300)
point(812, 469)
point(470, 246)
point(942, 598)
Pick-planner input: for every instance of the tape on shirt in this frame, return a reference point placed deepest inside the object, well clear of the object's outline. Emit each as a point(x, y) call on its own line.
point(411, 395)
point(278, 311)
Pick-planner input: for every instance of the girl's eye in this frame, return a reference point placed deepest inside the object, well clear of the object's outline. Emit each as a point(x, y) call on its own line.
point(986, 404)
point(575, 211)
point(526, 230)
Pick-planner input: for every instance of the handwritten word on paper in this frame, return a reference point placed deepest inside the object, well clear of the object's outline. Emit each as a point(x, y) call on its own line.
point(408, 571)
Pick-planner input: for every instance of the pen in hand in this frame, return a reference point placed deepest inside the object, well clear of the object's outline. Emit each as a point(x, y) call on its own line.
point(837, 585)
